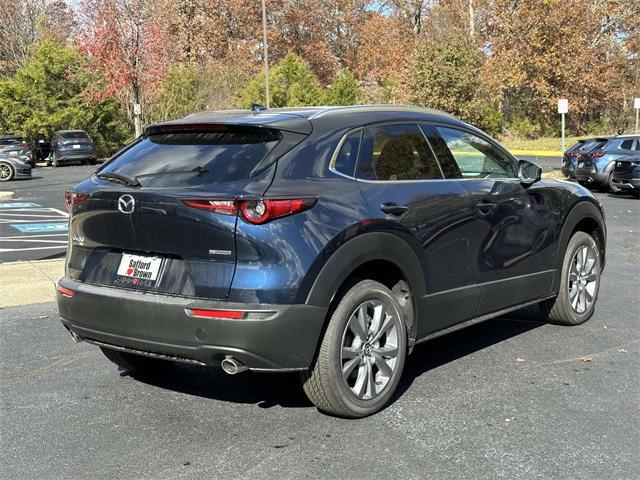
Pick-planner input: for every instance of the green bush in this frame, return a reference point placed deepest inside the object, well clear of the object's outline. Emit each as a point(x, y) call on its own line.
point(48, 94)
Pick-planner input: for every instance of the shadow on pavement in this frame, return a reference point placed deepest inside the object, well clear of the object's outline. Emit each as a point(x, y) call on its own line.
point(268, 390)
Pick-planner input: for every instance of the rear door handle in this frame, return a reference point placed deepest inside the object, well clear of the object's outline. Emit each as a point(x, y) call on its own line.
point(393, 209)
point(486, 208)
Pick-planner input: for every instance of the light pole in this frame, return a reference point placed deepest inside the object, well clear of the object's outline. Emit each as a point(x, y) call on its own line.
point(266, 52)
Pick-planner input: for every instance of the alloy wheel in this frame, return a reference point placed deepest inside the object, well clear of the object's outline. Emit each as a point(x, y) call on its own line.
point(369, 351)
point(583, 279)
point(5, 172)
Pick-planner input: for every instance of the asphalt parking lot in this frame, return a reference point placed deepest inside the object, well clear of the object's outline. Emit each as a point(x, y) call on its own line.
point(511, 398)
point(33, 225)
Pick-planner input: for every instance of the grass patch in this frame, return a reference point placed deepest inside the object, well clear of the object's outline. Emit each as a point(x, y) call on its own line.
point(544, 144)
point(555, 175)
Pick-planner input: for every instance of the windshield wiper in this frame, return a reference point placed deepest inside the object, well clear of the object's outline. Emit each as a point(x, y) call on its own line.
point(117, 178)
point(199, 170)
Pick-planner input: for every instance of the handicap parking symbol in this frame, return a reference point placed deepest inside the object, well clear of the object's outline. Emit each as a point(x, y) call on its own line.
point(41, 227)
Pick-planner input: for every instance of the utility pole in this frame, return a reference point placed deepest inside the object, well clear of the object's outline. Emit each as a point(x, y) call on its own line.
point(472, 22)
point(266, 52)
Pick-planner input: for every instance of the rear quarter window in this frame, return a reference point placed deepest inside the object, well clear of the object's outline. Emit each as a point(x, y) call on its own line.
point(165, 159)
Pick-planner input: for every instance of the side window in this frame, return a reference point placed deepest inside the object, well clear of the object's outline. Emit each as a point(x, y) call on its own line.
point(627, 144)
point(347, 157)
point(447, 162)
point(475, 157)
point(637, 144)
point(396, 152)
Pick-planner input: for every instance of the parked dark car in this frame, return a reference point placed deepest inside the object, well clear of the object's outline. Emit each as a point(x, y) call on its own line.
point(71, 146)
point(595, 167)
point(13, 167)
point(571, 155)
point(626, 175)
point(328, 241)
point(11, 140)
point(19, 150)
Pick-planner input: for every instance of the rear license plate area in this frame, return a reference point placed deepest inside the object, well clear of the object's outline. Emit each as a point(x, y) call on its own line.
point(138, 270)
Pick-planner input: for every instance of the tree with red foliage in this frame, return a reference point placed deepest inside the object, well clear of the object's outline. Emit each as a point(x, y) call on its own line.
point(127, 44)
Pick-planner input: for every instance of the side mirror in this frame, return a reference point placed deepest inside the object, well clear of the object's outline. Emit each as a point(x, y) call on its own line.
point(528, 172)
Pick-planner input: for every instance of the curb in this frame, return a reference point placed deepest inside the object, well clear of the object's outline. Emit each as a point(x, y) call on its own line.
point(538, 153)
point(29, 282)
point(6, 195)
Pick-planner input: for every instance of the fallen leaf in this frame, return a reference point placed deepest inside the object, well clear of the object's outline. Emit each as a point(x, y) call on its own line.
point(519, 360)
point(622, 350)
point(586, 358)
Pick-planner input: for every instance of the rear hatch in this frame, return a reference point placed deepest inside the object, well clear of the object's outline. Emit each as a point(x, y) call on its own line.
point(136, 229)
point(586, 152)
point(74, 143)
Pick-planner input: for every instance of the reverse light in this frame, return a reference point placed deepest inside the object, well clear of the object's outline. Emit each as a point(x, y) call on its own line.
point(66, 292)
point(254, 211)
point(72, 198)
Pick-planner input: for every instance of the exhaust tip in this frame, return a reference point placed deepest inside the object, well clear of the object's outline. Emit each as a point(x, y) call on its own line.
point(232, 366)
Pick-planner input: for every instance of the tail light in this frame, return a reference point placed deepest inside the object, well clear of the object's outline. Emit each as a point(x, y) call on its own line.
point(71, 199)
point(254, 211)
point(66, 292)
point(596, 154)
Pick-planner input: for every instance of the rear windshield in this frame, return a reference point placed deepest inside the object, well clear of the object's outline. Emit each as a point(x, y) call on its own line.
point(74, 136)
point(166, 159)
point(595, 145)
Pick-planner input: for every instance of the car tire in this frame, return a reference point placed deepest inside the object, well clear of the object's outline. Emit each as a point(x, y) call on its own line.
point(361, 355)
point(135, 363)
point(583, 184)
point(577, 296)
point(7, 172)
point(609, 186)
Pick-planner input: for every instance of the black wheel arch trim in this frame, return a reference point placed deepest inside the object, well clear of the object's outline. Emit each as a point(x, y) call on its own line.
point(360, 250)
point(582, 210)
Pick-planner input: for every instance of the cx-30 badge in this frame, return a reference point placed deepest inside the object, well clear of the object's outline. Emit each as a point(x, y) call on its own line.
point(126, 204)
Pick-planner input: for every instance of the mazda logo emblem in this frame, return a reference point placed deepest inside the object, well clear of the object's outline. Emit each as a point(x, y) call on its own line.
point(126, 204)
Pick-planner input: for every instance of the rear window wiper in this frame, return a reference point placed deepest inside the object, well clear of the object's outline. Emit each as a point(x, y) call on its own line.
point(117, 178)
point(199, 170)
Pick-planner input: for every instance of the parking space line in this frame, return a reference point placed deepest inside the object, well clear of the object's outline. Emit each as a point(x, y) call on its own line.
point(4, 250)
point(45, 235)
point(32, 240)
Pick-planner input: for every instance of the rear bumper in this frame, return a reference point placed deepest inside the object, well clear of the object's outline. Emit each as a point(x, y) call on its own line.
point(591, 177)
point(159, 324)
point(73, 156)
point(568, 169)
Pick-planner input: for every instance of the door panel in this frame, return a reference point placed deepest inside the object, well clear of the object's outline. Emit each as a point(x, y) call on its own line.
point(513, 236)
point(435, 212)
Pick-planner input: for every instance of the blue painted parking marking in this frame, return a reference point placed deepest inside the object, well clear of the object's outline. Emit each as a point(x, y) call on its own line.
point(40, 227)
point(19, 205)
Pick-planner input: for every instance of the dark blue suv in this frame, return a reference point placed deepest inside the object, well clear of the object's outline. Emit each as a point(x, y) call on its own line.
point(328, 241)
